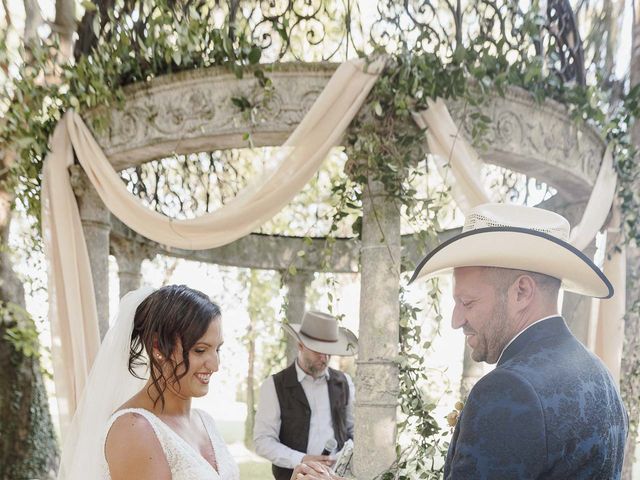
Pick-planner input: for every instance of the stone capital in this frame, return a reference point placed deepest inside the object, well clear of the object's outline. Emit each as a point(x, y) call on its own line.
point(130, 254)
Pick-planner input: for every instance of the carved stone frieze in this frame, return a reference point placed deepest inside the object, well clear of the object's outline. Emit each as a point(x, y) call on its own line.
point(193, 111)
point(538, 139)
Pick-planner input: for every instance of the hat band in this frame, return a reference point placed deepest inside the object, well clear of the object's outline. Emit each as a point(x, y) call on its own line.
point(318, 339)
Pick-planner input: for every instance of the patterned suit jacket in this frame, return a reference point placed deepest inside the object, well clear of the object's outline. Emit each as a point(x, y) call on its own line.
point(549, 410)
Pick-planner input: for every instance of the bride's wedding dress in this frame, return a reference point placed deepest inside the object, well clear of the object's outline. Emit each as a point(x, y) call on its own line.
point(184, 461)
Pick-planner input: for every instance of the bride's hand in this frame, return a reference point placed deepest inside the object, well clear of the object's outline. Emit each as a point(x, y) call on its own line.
point(313, 471)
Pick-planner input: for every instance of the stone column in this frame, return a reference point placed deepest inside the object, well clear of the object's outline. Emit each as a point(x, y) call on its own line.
point(576, 310)
point(96, 225)
point(472, 371)
point(377, 382)
point(296, 296)
point(129, 255)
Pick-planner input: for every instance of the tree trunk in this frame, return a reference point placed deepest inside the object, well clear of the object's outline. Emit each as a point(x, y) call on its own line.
point(65, 25)
point(28, 447)
point(251, 401)
point(33, 19)
point(256, 305)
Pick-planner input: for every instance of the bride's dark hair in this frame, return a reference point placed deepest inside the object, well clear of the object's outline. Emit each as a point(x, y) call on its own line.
point(171, 314)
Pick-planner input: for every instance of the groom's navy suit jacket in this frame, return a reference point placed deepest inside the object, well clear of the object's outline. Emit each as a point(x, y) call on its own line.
point(549, 410)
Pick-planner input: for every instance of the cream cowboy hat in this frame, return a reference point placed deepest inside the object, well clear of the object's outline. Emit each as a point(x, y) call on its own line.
point(520, 238)
point(320, 332)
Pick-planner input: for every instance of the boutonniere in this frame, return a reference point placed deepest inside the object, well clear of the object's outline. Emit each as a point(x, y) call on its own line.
point(452, 417)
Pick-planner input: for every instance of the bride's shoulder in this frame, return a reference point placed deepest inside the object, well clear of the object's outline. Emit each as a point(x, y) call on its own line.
point(131, 440)
point(130, 426)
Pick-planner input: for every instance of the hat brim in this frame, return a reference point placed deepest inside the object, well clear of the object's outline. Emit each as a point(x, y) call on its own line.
point(345, 346)
point(519, 249)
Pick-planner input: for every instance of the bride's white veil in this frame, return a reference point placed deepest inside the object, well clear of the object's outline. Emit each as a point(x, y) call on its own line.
point(109, 385)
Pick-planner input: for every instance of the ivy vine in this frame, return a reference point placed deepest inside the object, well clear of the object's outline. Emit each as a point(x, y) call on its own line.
point(48, 85)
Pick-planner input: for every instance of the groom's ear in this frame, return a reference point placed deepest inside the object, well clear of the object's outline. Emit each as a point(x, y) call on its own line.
point(524, 290)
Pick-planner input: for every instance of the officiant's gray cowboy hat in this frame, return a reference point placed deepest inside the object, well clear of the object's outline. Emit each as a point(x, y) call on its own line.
point(519, 238)
point(320, 332)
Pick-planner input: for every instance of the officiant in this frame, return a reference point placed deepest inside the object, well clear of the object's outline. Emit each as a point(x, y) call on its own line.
point(304, 407)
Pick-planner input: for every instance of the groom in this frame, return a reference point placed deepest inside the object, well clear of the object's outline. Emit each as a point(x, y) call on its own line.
point(550, 409)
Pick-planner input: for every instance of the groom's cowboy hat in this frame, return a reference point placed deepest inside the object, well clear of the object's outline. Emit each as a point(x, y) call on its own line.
point(320, 332)
point(519, 238)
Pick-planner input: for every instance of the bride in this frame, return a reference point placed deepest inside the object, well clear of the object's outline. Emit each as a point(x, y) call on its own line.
point(128, 427)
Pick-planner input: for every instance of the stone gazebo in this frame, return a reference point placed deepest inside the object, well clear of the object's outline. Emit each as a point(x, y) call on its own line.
point(192, 112)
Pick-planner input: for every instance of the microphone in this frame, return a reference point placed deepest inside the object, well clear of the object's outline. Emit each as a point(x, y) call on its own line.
point(329, 447)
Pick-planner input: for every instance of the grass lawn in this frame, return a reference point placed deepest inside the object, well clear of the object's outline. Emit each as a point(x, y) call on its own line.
point(255, 471)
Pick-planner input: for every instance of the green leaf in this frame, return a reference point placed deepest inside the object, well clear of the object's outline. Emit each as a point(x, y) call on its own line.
point(89, 6)
point(377, 108)
point(177, 57)
point(254, 55)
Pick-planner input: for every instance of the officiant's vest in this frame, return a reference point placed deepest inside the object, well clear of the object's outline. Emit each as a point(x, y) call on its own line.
point(295, 413)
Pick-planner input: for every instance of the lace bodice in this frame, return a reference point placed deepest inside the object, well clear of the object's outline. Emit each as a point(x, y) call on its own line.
point(184, 461)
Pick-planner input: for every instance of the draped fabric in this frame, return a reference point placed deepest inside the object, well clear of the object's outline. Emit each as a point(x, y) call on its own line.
point(72, 310)
point(72, 304)
point(457, 162)
point(609, 337)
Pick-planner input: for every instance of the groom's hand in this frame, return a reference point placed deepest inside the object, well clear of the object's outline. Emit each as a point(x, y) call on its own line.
point(323, 459)
point(313, 471)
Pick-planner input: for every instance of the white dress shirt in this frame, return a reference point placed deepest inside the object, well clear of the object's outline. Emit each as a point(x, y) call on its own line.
point(267, 423)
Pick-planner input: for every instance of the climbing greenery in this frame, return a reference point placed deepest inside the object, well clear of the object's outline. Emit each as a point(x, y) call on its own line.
point(385, 145)
point(19, 329)
point(172, 39)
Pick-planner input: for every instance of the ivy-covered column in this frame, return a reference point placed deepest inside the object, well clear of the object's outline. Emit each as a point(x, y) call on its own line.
point(377, 382)
point(96, 225)
point(296, 297)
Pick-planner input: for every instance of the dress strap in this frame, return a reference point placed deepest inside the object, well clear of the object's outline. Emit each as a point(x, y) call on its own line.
point(154, 421)
point(151, 418)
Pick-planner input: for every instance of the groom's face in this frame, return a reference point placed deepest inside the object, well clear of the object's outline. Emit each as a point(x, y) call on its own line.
point(481, 311)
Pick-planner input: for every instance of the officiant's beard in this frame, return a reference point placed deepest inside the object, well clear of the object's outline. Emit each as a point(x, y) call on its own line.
point(313, 363)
